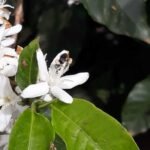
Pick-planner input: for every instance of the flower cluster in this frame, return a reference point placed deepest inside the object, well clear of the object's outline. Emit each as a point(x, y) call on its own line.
point(50, 82)
point(8, 68)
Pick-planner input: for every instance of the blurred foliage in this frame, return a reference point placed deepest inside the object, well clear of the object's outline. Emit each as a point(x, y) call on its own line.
point(136, 112)
point(121, 16)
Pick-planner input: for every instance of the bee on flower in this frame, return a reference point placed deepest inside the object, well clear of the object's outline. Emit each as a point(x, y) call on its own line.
point(51, 82)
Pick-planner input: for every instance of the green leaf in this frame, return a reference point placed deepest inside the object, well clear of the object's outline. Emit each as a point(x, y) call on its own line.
point(31, 131)
point(83, 126)
point(136, 112)
point(28, 68)
point(121, 16)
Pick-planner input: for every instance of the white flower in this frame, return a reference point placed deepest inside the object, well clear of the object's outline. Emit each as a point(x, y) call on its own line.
point(51, 83)
point(8, 103)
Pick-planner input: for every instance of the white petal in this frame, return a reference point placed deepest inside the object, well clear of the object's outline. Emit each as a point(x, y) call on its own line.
point(5, 117)
point(1, 20)
point(35, 90)
point(15, 111)
point(6, 5)
point(3, 139)
point(8, 66)
point(6, 93)
point(18, 90)
point(5, 13)
point(9, 60)
point(13, 30)
point(2, 31)
point(47, 98)
point(7, 42)
point(8, 52)
point(61, 95)
point(70, 81)
point(70, 2)
point(9, 70)
point(3, 5)
point(43, 72)
point(60, 64)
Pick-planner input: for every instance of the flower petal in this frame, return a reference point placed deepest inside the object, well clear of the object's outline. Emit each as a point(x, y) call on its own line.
point(60, 64)
point(61, 95)
point(2, 31)
point(6, 51)
point(8, 66)
point(43, 72)
point(5, 117)
point(35, 90)
point(7, 42)
point(6, 93)
point(18, 90)
point(47, 98)
point(70, 2)
point(70, 81)
point(5, 13)
point(9, 70)
point(3, 139)
point(13, 30)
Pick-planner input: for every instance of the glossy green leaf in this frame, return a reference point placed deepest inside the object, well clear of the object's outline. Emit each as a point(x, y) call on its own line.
point(121, 16)
point(136, 112)
point(31, 131)
point(28, 68)
point(83, 126)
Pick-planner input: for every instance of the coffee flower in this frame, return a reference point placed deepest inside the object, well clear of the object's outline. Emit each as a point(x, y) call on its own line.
point(51, 83)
